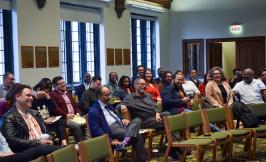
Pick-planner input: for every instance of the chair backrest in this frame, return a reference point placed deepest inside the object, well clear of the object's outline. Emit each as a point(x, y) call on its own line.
point(258, 109)
point(193, 118)
point(96, 149)
point(215, 115)
point(64, 154)
point(172, 124)
point(88, 125)
point(39, 159)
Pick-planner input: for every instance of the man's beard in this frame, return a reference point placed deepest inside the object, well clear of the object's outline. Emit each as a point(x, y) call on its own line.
point(177, 86)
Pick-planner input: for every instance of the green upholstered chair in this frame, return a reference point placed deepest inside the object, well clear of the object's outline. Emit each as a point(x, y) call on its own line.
point(224, 115)
point(260, 131)
point(177, 123)
point(39, 159)
point(96, 149)
point(65, 154)
point(195, 119)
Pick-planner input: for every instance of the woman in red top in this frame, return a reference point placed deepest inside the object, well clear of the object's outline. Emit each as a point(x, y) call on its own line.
point(151, 86)
point(202, 85)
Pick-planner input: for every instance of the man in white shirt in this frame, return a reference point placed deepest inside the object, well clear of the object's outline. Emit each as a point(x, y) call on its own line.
point(250, 90)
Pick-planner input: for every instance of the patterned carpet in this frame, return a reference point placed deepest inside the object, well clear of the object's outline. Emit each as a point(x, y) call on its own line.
point(238, 154)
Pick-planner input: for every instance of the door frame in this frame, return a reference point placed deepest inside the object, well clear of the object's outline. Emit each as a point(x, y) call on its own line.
point(208, 41)
point(201, 55)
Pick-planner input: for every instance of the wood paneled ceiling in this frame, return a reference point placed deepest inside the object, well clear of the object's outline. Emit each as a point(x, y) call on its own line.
point(163, 3)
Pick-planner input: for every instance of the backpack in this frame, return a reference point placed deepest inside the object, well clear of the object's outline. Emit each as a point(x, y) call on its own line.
point(244, 114)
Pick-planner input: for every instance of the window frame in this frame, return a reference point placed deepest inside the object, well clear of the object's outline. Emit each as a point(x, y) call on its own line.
point(82, 50)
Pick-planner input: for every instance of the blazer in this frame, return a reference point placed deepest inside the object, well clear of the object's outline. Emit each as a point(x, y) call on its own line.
point(16, 131)
point(214, 95)
point(172, 102)
point(61, 104)
point(97, 122)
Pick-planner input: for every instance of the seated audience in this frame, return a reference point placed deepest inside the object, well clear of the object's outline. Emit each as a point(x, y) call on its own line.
point(113, 82)
point(166, 80)
point(236, 78)
point(89, 97)
point(218, 91)
point(139, 73)
point(202, 85)
point(142, 106)
point(250, 90)
point(7, 155)
point(65, 106)
point(83, 86)
point(46, 108)
point(8, 81)
point(190, 88)
point(193, 77)
point(124, 85)
point(160, 72)
point(23, 127)
point(174, 97)
point(104, 120)
point(151, 86)
point(263, 75)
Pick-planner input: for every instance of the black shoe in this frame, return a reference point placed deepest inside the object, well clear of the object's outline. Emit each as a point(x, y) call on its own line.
point(120, 148)
point(175, 155)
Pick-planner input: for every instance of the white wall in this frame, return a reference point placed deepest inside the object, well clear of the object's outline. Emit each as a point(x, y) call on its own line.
point(211, 24)
point(229, 58)
point(117, 35)
point(35, 27)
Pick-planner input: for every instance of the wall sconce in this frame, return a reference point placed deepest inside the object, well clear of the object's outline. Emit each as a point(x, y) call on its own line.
point(119, 7)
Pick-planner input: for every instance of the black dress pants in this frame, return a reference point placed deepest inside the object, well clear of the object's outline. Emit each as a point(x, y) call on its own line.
point(30, 154)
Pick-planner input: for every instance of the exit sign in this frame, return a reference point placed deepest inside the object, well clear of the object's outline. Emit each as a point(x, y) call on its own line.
point(236, 28)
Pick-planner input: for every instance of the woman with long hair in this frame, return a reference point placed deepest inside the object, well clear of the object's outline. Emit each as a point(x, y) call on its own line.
point(151, 86)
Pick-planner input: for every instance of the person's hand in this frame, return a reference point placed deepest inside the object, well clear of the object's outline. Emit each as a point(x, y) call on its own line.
point(186, 99)
point(46, 142)
point(49, 120)
point(70, 116)
point(115, 142)
point(158, 117)
point(125, 122)
point(3, 153)
point(40, 94)
point(77, 114)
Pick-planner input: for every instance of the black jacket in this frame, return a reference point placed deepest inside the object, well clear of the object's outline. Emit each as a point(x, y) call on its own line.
point(16, 131)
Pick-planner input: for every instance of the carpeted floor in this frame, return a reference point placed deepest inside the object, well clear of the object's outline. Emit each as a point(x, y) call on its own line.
point(238, 154)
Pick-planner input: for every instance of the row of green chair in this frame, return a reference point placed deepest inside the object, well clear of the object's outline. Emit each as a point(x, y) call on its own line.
point(205, 138)
point(93, 149)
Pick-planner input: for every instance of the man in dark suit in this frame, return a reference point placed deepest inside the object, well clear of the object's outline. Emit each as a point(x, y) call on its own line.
point(23, 128)
point(104, 120)
point(193, 77)
point(83, 86)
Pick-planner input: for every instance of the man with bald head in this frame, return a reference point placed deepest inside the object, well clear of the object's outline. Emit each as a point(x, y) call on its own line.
point(141, 105)
point(250, 90)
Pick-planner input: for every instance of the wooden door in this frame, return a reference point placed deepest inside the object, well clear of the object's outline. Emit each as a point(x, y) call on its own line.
point(215, 54)
point(251, 53)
